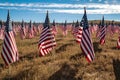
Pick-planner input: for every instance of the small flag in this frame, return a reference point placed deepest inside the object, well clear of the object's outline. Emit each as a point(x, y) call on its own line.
point(65, 28)
point(47, 40)
point(34, 29)
point(1, 31)
point(30, 31)
point(102, 32)
point(14, 29)
point(75, 30)
point(86, 42)
point(54, 30)
point(73, 26)
point(78, 32)
point(9, 48)
point(118, 43)
point(22, 31)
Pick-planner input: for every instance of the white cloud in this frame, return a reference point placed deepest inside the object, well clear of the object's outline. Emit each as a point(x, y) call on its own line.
point(55, 5)
point(96, 11)
point(64, 8)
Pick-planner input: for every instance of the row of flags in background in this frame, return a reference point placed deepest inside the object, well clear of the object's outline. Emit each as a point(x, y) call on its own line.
point(26, 30)
point(81, 31)
point(31, 30)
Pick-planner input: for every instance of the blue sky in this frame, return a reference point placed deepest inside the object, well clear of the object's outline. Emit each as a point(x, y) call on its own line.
point(60, 10)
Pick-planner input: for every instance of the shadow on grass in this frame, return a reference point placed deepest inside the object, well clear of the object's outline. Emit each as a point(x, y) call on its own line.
point(116, 66)
point(34, 43)
point(115, 48)
point(22, 75)
point(72, 40)
point(96, 47)
point(1, 44)
point(63, 47)
point(76, 56)
point(29, 56)
point(2, 66)
point(57, 40)
point(113, 40)
point(66, 72)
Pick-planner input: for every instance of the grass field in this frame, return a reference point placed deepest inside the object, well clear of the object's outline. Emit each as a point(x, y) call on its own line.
point(65, 62)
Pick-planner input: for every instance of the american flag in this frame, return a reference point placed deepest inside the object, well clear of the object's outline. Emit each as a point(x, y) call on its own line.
point(1, 31)
point(86, 42)
point(34, 29)
point(9, 48)
point(118, 43)
point(98, 30)
point(54, 29)
point(73, 26)
point(30, 31)
point(110, 30)
point(116, 28)
point(14, 28)
point(65, 28)
point(22, 31)
point(102, 32)
point(47, 39)
point(93, 28)
point(77, 32)
point(39, 28)
point(75, 29)
point(1, 34)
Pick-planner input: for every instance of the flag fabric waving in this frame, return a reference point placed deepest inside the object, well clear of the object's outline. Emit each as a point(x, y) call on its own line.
point(86, 42)
point(30, 31)
point(34, 29)
point(98, 30)
point(9, 48)
point(54, 29)
point(102, 32)
point(72, 28)
point(22, 31)
point(75, 30)
point(78, 32)
point(47, 40)
point(65, 28)
point(1, 31)
point(118, 43)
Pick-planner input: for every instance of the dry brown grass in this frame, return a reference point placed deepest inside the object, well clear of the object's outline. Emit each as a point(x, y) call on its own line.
point(65, 62)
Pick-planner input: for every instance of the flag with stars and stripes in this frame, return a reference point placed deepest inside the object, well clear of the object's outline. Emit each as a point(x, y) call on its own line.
point(86, 42)
point(54, 29)
point(47, 39)
point(65, 28)
point(102, 32)
point(1, 31)
point(75, 29)
point(9, 48)
point(78, 32)
point(30, 31)
point(118, 43)
point(22, 31)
